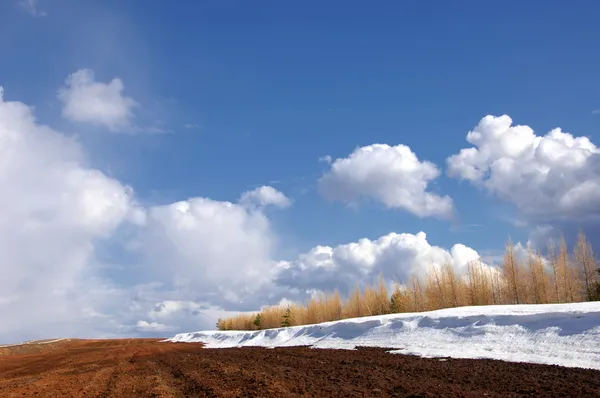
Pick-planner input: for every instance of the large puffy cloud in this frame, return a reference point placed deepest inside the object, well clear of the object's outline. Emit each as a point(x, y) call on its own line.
point(61, 216)
point(392, 175)
point(550, 177)
point(86, 100)
point(215, 251)
point(394, 256)
point(54, 209)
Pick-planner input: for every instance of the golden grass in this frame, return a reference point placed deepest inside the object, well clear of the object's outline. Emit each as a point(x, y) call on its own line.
point(563, 278)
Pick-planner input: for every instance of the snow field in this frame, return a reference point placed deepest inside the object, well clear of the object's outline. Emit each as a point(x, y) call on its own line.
point(552, 334)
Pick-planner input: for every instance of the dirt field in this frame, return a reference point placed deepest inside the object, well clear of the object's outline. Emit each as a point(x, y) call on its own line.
point(148, 368)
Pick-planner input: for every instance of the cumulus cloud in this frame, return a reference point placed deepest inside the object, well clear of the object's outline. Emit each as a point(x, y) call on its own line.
point(54, 209)
point(216, 251)
point(265, 196)
point(191, 261)
point(59, 215)
point(550, 177)
point(86, 100)
point(392, 175)
point(394, 256)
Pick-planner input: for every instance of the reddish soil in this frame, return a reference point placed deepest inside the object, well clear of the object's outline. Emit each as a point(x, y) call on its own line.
point(149, 368)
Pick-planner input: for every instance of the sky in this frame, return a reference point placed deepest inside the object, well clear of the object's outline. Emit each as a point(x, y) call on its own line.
point(163, 165)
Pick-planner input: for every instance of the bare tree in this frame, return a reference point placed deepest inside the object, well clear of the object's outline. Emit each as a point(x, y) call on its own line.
point(584, 257)
point(511, 273)
point(539, 279)
point(554, 263)
point(417, 294)
point(450, 279)
point(435, 290)
point(566, 271)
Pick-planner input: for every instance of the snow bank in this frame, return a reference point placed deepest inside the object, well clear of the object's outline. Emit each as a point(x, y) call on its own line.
point(559, 334)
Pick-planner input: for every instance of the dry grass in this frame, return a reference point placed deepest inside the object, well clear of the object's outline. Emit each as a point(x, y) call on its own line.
point(560, 278)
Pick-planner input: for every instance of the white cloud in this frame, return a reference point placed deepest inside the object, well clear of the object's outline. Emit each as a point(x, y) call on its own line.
point(192, 260)
point(265, 196)
point(54, 210)
point(216, 251)
point(394, 256)
point(146, 326)
point(31, 7)
point(550, 177)
point(86, 100)
point(390, 174)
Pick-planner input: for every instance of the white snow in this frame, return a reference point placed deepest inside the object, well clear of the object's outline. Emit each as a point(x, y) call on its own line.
point(36, 342)
point(555, 334)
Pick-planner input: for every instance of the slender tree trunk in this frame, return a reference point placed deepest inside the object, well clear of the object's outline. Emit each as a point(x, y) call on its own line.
point(554, 263)
point(511, 271)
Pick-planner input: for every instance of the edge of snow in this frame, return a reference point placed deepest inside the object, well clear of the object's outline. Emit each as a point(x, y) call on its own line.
point(552, 334)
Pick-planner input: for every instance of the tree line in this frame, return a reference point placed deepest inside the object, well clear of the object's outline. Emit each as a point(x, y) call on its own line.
point(558, 277)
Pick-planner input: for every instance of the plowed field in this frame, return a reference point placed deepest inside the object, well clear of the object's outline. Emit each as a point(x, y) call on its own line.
point(149, 368)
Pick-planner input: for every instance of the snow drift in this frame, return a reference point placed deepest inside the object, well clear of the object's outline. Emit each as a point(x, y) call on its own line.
point(554, 334)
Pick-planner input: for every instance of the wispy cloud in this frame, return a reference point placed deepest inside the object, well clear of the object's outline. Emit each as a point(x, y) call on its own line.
point(32, 7)
point(325, 159)
point(596, 111)
point(191, 126)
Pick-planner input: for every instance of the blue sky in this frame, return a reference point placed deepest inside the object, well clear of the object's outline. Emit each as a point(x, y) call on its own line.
point(232, 96)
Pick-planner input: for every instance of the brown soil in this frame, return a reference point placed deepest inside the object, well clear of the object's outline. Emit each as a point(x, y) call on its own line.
point(149, 368)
